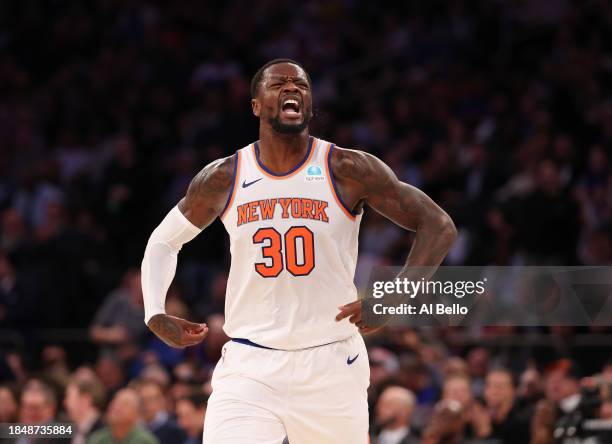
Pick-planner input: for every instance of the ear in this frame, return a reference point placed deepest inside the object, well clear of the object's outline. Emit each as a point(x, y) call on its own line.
point(256, 106)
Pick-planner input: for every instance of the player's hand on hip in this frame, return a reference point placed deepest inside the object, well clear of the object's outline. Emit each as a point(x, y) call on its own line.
point(177, 332)
point(352, 311)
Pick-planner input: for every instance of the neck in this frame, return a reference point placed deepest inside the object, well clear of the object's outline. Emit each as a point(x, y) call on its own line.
point(195, 433)
point(155, 416)
point(500, 412)
point(395, 425)
point(120, 431)
point(281, 152)
point(87, 416)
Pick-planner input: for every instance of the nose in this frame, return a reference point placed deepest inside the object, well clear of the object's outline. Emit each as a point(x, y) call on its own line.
point(290, 86)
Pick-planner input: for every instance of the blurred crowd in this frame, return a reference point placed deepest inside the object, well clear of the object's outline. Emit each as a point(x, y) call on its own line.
point(500, 110)
point(419, 394)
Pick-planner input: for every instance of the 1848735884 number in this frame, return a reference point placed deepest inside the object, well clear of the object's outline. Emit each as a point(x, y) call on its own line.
point(51, 430)
point(297, 239)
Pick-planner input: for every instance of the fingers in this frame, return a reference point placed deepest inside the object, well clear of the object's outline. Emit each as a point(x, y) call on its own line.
point(343, 314)
point(191, 326)
point(348, 310)
point(368, 330)
point(194, 334)
point(352, 311)
point(191, 333)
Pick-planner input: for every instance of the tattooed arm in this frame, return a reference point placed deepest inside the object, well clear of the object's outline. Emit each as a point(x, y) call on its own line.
point(207, 192)
point(364, 179)
point(205, 199)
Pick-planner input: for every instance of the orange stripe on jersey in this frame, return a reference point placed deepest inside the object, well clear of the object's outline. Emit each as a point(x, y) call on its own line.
point(230, 199)
point(330, 181)
point(311, 149)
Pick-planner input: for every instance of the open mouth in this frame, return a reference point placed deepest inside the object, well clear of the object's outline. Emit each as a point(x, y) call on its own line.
point(291, 108)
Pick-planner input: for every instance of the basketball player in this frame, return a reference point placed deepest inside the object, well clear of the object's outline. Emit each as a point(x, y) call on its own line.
point(296, 367)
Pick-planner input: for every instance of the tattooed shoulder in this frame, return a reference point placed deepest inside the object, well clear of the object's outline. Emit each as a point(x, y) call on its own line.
point(348, 164)
point(216, 177)
point(362, 169)
point(212, 183)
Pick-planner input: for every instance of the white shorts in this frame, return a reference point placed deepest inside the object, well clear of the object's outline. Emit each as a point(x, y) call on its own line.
point(316, 395)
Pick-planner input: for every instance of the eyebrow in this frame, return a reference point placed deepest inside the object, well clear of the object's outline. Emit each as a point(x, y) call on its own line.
point(286, 77)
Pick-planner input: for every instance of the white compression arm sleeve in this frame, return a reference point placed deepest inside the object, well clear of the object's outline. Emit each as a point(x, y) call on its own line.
point(159, 261)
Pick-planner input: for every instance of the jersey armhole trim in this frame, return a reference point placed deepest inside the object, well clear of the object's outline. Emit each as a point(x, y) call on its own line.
point(230, 197)
point(334, 188)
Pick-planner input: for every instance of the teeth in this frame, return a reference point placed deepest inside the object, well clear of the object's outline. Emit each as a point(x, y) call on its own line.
point(288, 101)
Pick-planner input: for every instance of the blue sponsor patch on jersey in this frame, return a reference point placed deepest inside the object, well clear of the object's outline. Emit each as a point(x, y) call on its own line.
point(314, 170)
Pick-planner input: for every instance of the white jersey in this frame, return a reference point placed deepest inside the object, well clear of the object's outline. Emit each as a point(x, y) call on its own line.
point(294, 250)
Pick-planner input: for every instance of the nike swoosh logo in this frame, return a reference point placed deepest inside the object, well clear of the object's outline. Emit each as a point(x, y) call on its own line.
point(248, 184)
point(349, 361)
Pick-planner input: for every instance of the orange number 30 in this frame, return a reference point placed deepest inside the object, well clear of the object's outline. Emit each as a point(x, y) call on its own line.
point(274, 247)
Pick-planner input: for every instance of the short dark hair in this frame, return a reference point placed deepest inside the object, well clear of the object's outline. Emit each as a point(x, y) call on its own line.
point(569, 368)
point(256, 81)
point(39, 386)
point(504, 371)
point(93, 389)
point(198, 399)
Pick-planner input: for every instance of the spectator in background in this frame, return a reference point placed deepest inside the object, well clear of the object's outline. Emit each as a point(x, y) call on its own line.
point(38, 403)
point(125, 185)
point(215, 339)
point(18, 303)
point(111, 373)
point(550, 234)
point(457, 387)
point(454, 365)
point(157, 374)
point(123, 417)
point(447, 424)
point(84, 401)
point(508, 424)
point(56, 367)
point(155, 413)
point(14, 235)
point(37, 407)
point(85, 373)
point(8, 404)
point(383, 365)
point(530, 389)
point(478, 364)
point(190, 412)
point(605, 413)
point(562, 388)
point(543, 423)
point(186, 380)
point(119, 321)
point(393, 416)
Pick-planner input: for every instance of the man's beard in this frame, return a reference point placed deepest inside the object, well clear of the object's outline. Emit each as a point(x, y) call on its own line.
point(284, 128)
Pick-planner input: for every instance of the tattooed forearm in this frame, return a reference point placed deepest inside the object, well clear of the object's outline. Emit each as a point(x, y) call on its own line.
point(165, 329)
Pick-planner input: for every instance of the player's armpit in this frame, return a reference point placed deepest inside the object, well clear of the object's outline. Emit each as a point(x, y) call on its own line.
point(208, 192)
point(363, 178)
